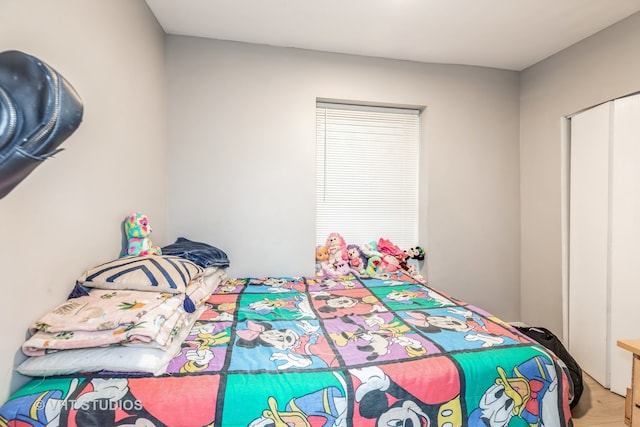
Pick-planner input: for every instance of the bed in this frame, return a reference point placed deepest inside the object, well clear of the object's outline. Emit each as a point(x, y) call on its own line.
point(386, 350)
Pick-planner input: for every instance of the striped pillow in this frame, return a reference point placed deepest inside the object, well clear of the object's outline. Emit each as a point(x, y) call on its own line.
point(160, 273)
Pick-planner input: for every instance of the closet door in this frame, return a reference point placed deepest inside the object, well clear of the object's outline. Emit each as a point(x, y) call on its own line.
point(625, 237)
point(589, 241)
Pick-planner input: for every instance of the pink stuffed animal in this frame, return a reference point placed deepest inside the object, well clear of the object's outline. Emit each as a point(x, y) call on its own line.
point(337, 248)
point(387, 247)
point(393, 258)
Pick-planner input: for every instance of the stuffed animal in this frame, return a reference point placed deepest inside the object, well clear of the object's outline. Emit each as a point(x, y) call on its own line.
point(337, 248)
point(387, 247)
point(412, 270)
point(390, 263)
point(374, 266)
point(392, 257)
point(370, 249)
point(411, 267)
point(357, 260)
point(322, 253)
point(415, 253)
point(137, 230)
point(339, 269)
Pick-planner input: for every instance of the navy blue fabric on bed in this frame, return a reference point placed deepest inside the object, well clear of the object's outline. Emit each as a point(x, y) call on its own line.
point(200, 253)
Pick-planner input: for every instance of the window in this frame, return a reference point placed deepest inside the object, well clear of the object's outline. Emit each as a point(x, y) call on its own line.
point(367, 173)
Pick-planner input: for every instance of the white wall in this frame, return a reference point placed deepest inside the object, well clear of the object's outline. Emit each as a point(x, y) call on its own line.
point(66, 216)
point(241, 150)
point(600, 68)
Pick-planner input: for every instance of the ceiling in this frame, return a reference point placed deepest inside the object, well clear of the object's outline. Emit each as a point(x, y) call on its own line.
point(507, 34)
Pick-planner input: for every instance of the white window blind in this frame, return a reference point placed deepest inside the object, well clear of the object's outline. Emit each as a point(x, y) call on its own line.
point(367, 173)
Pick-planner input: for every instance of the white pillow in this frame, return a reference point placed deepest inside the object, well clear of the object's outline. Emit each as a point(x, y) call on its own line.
point(159, 273)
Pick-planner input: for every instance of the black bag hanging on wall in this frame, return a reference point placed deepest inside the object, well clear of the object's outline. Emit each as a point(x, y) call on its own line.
point(39, 109)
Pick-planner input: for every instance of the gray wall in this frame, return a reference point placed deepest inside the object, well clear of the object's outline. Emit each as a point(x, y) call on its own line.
point(602, 67)
point(66, 216)
point(241, 149)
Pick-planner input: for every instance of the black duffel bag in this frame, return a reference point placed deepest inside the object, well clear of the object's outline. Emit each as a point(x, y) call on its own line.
point(549, 340)
point(39, 109)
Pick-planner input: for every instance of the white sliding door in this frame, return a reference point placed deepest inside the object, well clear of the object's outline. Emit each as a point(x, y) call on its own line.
point(589, 241)
point(604, 239)
point(625, 237)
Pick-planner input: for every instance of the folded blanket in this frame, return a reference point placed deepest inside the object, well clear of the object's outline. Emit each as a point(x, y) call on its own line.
point(107, 317)
point(116, 358)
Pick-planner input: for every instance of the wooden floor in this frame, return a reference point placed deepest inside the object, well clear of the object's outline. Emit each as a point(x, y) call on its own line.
point(598, 407)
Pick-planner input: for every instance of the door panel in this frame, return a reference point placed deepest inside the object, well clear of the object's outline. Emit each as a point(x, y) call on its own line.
point(589, 241)
point(625, 237)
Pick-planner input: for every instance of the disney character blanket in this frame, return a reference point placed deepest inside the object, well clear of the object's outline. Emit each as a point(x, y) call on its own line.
point(322, 352)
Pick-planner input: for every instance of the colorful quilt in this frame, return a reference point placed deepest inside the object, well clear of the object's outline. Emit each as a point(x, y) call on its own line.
point(385, 351)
